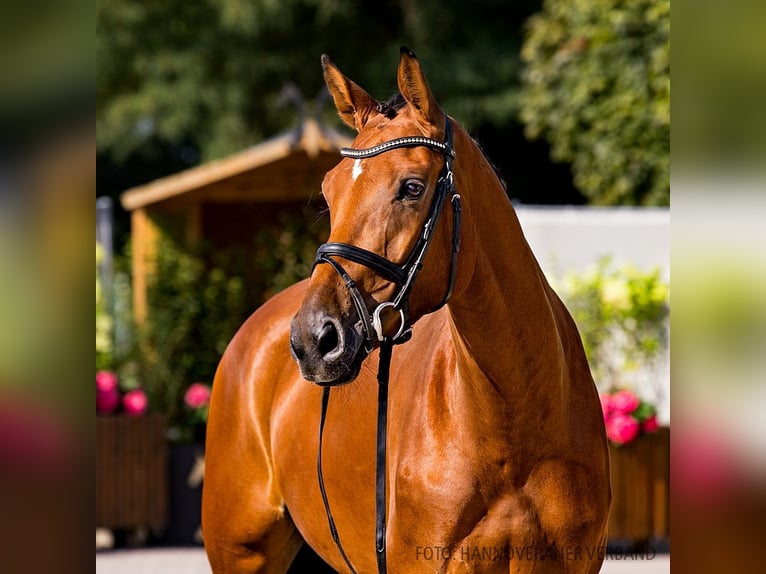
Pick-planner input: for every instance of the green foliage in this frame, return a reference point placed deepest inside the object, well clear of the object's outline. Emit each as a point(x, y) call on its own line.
point(125, 338)
point(644, 411)
point(621, 313)
point(198, 298)
point(193, 312)
point(596, 85)
point(104, 323)
point(209, 73)
point(285, 254)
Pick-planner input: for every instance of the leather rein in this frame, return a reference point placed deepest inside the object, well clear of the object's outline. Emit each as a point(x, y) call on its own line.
point(403, 276)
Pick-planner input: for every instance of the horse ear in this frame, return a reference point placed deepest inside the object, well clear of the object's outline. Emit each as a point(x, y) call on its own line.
point(354, 104)
point(414, 88)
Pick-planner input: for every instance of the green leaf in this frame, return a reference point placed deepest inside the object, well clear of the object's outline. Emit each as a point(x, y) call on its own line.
point(596, 86)
point(644, 411)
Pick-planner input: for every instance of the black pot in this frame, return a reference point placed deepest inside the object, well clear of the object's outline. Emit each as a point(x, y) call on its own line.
point(185, 495)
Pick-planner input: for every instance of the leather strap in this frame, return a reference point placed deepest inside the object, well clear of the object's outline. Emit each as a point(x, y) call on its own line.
point(320, 475)
point(384, 267)
point(384, 369)
point(404, 277)
point(361, 308)
point(380, 463)
point(456, 222)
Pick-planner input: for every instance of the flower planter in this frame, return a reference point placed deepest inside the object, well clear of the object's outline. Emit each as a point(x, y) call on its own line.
point(640, 473)
point(185, 473)
point(131, 472)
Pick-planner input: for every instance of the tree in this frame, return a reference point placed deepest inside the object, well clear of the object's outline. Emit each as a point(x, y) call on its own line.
point(596, 85)
point(207, 74)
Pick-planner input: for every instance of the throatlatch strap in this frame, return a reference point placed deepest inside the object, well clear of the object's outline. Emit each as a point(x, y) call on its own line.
point(456, 222)
point(322, 490)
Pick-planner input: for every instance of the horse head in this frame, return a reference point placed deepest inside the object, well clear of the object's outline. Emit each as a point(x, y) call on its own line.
point(390, 258)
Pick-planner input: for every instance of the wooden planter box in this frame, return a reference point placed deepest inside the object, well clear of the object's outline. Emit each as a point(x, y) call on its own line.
point(131, 472)
point(641, 488)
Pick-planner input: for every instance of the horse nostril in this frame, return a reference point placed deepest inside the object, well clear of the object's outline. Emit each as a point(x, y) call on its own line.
point(328, 341)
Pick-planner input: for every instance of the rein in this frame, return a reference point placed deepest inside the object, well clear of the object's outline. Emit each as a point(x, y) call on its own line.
point(403, 276)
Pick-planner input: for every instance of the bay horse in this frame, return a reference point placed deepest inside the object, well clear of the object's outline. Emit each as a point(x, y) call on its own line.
point(496, 457)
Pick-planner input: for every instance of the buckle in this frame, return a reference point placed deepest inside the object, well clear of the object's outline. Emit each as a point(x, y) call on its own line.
point(378, 327)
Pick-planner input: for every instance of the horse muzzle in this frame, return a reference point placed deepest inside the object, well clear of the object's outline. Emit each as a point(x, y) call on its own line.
point(328, 352)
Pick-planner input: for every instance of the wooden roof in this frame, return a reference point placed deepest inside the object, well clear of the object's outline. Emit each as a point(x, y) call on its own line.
point(284, 168)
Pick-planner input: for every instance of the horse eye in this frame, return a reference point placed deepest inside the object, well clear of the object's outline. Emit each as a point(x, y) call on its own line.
point(411, 190)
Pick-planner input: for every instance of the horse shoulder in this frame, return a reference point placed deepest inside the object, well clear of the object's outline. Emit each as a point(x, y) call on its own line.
point(241, 498)
point(255, 360)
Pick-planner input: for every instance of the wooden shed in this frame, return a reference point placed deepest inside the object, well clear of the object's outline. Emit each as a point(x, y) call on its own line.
point(224, 201)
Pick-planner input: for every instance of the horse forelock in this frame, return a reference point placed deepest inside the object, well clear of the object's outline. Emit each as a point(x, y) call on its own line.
point(391, 107)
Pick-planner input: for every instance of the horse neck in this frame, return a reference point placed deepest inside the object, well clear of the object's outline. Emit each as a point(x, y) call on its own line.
point(504, 315)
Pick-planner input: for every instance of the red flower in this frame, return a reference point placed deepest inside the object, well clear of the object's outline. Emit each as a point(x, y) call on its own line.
point(650, 424)
point(197, 395)
point(621, 428)
point(106, 381)
point(134, 402)
point(107, 393)
point(107, 401)
point(607, 406)
point(625, 402)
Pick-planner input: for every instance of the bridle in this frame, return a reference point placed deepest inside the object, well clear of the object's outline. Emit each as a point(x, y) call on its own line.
point(403, 276)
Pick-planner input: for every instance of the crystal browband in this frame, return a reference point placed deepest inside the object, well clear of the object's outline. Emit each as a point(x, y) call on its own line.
point(411, 141)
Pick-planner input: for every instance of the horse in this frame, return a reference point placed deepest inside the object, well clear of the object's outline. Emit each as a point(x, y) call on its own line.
point(496, 457)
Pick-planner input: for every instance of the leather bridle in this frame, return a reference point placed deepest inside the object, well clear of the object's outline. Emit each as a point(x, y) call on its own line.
point(403, 276)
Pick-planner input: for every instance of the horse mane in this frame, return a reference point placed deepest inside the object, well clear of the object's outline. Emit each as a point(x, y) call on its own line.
point(491, 164)
point(396, 102)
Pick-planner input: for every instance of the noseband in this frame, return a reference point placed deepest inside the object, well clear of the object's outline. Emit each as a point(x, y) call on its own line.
point(403, 276)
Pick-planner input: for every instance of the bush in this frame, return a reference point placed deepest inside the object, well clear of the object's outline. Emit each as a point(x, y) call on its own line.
point(621, 313)
point(194, 310)
point(104, 339)
point(198, 298)
point(596, 85)
point(284, 254)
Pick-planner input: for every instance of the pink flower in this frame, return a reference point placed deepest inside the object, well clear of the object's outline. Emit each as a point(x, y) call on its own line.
point(106, 381)
point(625, 402)
point(607, 406)
point(134, 402)
point(621, 428)
point(107, 400)
point(650, 424)
point(197, 395)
